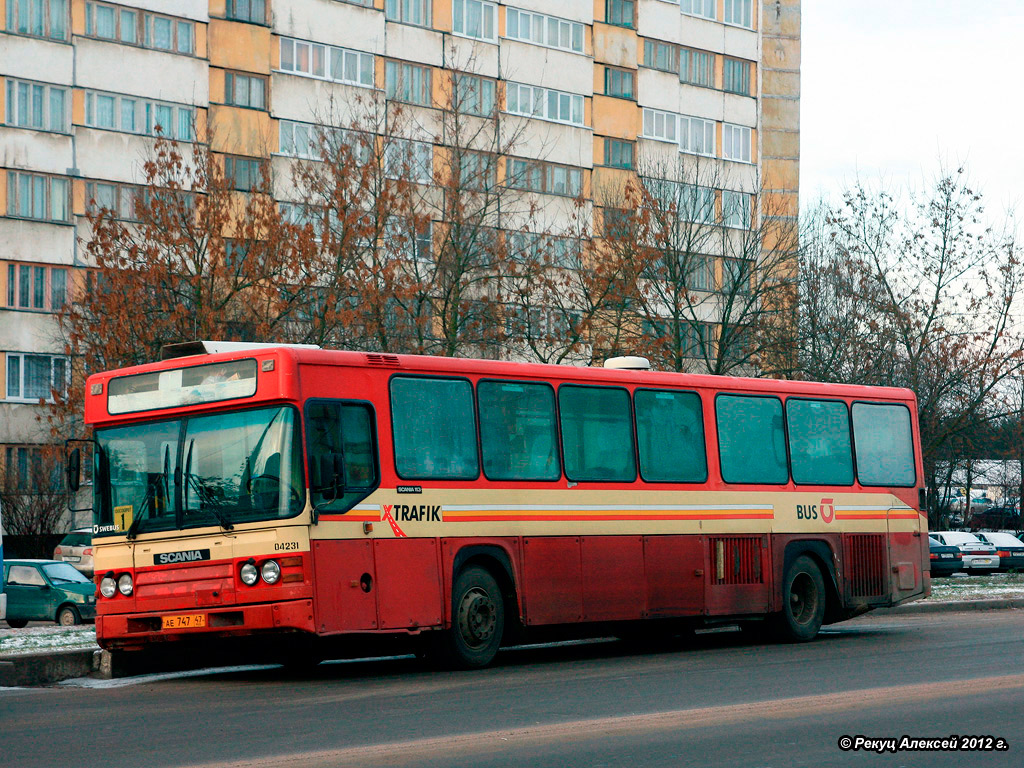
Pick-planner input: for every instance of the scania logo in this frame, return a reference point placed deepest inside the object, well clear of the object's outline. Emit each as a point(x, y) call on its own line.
point(188, 556)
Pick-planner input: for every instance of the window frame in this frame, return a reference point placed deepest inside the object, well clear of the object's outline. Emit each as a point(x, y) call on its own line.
point(546, 29)
point(558, 428)
point(428, 12)
point(13, 102)
point(403, 90)
point(746, 77)
point(544, 101)
point(610, 143)
point(476, 431)
point(13, 181)
point(616, 9)
point(484, 5)
point(143, 37)
point(623, 74)
point(691, 54)
point(46, 22)
point(704, 431)
point(328, 55)
point(21, 397)
point(853, 433)
point(849, 423)
point(374, 443)
point(728, 142)
point(231, 14)
point(632, 429)
point(143, 113)
point(13, 299)
point(256, 164)
point(785, 436)
point(231, 76)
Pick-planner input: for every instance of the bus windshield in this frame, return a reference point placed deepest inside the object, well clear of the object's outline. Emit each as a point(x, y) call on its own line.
point(217, 469)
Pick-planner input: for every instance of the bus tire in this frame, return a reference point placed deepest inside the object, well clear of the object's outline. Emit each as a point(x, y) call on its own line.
point(478, 620)
point(803, 602)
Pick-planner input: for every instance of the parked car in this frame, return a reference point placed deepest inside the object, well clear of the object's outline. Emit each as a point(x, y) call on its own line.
point(978, 556)
point(945, 558)
point(994, 519)
point(47, 590)
point(1009, 548)
point(76, 548)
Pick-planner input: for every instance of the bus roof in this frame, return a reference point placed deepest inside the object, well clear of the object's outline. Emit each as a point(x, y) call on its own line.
point(286, 358)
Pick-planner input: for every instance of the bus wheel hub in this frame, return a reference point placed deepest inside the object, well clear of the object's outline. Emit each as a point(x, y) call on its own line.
point(477, 617)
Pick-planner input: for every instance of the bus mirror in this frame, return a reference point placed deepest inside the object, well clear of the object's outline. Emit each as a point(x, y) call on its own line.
point(75, 470)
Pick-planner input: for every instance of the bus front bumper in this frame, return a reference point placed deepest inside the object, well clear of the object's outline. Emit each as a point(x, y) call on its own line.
point(139, 629)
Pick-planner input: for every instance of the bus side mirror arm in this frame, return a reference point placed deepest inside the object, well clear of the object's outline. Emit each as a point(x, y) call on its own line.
point(73, 457)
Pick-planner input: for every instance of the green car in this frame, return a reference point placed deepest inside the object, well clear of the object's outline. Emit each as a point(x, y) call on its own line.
point(47, 590)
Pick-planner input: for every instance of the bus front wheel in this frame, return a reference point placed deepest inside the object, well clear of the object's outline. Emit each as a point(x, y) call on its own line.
point(803, 602)
point(478, 620)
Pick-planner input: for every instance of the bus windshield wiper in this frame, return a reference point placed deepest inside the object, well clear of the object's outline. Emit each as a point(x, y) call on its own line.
point(206, 499)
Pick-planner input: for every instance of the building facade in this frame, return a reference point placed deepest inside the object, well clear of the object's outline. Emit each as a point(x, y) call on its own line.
point(600, 84)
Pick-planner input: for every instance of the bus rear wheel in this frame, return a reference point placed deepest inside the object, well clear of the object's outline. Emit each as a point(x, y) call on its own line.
point(803, 602)
point(478, 620)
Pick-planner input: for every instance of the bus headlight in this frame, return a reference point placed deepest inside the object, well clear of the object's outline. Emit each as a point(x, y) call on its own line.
point(249, 574)
point(124, 584)
point(271, 571)
point(108, 586)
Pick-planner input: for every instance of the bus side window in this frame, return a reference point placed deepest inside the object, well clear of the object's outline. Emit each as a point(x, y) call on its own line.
point(884, 444)
point(518, 434)
point(751, 441)
point(597, 434)
point(434, 424)
point(670, 433)
point(345, 429)
point(819, 442)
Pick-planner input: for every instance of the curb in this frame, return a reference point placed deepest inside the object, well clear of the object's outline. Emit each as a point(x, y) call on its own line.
point(49, 668)
point(951, 606)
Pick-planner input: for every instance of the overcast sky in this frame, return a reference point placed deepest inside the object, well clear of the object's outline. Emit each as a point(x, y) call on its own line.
point(889, 88)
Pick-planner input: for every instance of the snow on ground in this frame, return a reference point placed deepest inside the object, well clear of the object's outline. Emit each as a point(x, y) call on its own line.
point(42, 638)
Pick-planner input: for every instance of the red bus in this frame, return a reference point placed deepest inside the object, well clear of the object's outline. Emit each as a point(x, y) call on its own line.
point(312, 498)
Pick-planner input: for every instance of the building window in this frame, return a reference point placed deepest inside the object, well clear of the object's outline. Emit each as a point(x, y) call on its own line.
point(618, 154)
point(736, 142)
point(736, 209)
point(700, 273)
point(739, 12)
point(35, 196)
point(408, 12)
point(545, 178)
point(618, 82)
point(35, 377)
point(136, 27)
point(117, 199)
point(543, 30)
point(697, 136)
point(36, 105)
point(407, 82)
point(310, 141)
point(477, 171)
point(736, 76)
point(39, 18)
point(697, 67)
point(410, 160)
point(476, 19)
point(245, 90)
point(561, 252)
point(40, 288)
point(254, 11)
point(619, 12)
point(663, 56)
point(244, 173)
point(660, 125)
point(474, 95)
point(692, 203)
point(406, 239)
point(130, 114)
point(326, 62)
point(533, 101)
point(704, 8)
point(736, 275)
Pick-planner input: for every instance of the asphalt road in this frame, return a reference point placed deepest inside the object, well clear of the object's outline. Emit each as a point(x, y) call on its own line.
point(720, 701)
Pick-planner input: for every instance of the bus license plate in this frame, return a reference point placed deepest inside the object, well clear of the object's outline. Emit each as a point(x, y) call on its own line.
point(184, 621)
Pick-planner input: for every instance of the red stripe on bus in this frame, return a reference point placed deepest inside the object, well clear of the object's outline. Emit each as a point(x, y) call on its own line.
point(459, 518)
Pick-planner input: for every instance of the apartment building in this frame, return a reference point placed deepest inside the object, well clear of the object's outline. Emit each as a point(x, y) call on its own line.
point(599, 84)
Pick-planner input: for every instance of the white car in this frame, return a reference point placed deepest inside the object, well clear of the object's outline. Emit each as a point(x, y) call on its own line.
point(978, 555)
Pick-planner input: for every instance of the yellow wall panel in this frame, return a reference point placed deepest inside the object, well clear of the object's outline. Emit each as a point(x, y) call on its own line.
point(77, 107)
point(615, 45)
point(616, 117)
point(240, 131)
point(78, 17)
point(234, 45)
point(3, 97)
